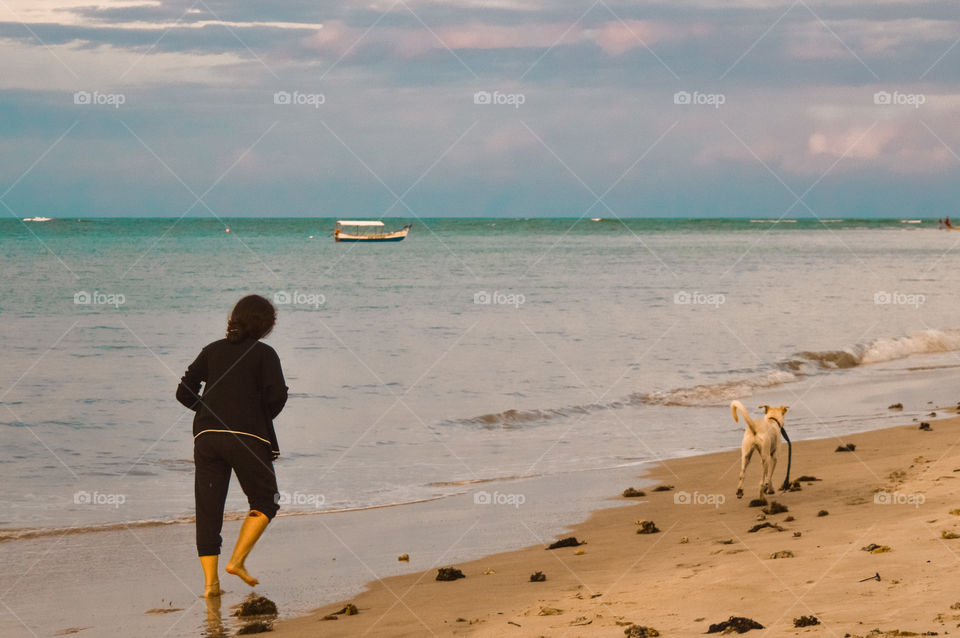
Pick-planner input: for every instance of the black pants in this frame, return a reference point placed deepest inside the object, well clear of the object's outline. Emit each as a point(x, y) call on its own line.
point(215, 455)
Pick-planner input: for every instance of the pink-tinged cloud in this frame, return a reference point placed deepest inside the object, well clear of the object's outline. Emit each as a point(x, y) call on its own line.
point(335, 36)
point(840, 39)
point(485, 36)
point(338, 38)
point(856, 142)
point(811, 149)
point(617, 37)
point(614, 37)
point(898, 146)
point(815, 45)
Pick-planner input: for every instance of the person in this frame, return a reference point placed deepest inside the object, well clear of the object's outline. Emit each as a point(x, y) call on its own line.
point(946, 222)
point(940, 224)
point(243, 391)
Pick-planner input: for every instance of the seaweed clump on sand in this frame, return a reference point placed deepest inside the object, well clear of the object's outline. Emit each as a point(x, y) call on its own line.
point(849, 447)
point(570, 541)
point(737, 624)
point(663, 488)
point(639, 631)
point(806, 621)
point(647, 527)
point(255, 627)
point(633, 493)
point(760, 526)
point(449, 573)
point(537, 577)
point(757, 502)
point(256, 606)
point(775, 508)
point(873, 548)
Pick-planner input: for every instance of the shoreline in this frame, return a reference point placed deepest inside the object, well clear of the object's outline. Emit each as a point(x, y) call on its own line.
point(426, 530)
point(13, 534)
point(26, 533)
point(681, 587)
point(307, 560)
point(158, 496)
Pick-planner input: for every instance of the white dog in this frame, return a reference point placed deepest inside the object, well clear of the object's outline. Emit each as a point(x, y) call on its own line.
point(762, 436)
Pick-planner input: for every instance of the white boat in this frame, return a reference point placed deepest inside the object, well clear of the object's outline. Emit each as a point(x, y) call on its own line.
point(360, 230)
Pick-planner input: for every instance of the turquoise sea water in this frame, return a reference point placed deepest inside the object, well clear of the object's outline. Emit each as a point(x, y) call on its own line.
point(476, 349)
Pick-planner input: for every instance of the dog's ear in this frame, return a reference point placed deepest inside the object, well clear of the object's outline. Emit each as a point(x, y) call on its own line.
point(784, 408)
point(765, 408)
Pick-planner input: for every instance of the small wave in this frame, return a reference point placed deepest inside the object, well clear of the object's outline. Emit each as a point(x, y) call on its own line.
point(509, 419)
point(813, 362)
point(25, 533)
point(37, 219)
point(478, 481)
point(826, 360)
point(884, 349)
point(710, 394)
point(802, 364)
point(925, 342)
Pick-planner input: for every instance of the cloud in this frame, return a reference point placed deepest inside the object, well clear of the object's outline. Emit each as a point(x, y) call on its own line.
point(199, 84)
point(848, 136)
point(834, 39)
point(856, 142)
point(894, 147)
point(613, 37)
point(618, 37)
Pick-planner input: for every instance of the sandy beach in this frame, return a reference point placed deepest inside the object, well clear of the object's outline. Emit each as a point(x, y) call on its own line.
point(896, 490)
point(425, 319)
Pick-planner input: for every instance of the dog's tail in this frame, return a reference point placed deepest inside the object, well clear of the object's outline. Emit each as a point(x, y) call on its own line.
point(736, 405)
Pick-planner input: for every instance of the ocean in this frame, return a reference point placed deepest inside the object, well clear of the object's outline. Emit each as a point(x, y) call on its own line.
point(476, 350)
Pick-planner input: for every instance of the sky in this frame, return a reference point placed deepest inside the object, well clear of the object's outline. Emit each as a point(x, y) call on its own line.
point(519, 108)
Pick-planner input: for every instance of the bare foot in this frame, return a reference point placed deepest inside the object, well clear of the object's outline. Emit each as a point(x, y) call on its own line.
point(212, 590)
point(241, 572)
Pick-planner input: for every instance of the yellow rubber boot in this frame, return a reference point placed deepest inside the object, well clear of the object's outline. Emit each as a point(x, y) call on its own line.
point(211, 580)
point(250, 532)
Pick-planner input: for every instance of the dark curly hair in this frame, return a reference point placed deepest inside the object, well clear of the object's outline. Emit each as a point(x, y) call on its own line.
point(252, 317)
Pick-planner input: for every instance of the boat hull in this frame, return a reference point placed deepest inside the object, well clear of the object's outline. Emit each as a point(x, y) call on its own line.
point(368, 240)
point(399, 235)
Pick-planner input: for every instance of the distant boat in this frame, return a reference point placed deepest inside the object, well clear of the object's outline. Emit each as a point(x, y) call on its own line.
point(354, 231)
point(37, 219)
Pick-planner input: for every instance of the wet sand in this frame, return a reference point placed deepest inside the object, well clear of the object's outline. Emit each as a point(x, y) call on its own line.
point(113, 581)
point(896, 490)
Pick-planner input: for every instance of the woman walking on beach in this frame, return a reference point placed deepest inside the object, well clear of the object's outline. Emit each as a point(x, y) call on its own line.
point(243, 391)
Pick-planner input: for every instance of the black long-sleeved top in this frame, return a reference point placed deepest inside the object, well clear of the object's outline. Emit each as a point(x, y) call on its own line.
point(243, 391)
